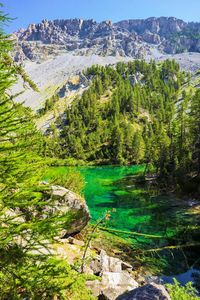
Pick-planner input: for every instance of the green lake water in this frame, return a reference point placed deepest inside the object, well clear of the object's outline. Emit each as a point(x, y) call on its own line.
point(137, 209)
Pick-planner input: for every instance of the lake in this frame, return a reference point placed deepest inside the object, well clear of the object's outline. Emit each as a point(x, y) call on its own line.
point(137, 208)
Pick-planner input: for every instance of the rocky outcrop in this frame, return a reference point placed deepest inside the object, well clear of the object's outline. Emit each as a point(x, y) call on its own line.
point(133, 38)
point(115, 277)
point(74, 85)
point(151, 38)
point(63, 202)
point(162, 26)
point(117, 281)
point(147, 292)
point(59, 202)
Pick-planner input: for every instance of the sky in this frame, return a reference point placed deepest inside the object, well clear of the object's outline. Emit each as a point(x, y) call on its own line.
point(33, 11)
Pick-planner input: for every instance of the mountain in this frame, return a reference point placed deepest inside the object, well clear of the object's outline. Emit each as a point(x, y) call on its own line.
point(132, 38)
point(55, 53)
point(93, 107)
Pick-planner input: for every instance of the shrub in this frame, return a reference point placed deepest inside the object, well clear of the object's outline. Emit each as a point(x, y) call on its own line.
point(178, 292)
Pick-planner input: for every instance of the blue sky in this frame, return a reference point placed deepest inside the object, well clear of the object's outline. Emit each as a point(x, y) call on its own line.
point(33, 11)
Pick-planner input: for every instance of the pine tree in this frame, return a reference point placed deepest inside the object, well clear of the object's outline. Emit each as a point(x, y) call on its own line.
point(117, 145)
point(195, 128)
point(27, 229)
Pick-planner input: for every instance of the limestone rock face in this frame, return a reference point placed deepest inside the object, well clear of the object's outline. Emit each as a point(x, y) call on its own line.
point(151, 38)
point(147, 292)
point(133, 38)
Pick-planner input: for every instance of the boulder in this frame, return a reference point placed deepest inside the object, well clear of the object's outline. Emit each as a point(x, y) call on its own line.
point(95, 265)
point(126, 266)
point(60, 201)
point(74, 241)
point(115, 276)
point(112, 285)
point(147, 292)
point(104, 263)
point(110, 264)
point(64, 201)
point(115, 284)
point(95, 287)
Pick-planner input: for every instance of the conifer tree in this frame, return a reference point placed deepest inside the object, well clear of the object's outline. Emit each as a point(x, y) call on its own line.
point(195, 128)
point(27, 270)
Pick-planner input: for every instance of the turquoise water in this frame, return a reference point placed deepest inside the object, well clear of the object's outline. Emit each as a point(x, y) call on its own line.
point(135, 208)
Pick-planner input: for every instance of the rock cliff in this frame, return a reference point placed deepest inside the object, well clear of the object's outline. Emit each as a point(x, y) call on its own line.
point(132, 38)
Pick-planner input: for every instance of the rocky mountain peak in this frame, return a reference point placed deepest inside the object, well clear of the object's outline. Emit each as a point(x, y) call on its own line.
point(133, 38)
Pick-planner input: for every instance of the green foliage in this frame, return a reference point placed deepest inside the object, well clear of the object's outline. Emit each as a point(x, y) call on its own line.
point(21, 72)
point(43, 280)
point(186, 33)
point(48, 105)
point(178, 292)
point(71, 179)
point(136, 112)
point(28, 227)
point(121, 112)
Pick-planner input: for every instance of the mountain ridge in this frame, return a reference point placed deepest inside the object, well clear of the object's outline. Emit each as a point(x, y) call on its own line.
point(136, 38)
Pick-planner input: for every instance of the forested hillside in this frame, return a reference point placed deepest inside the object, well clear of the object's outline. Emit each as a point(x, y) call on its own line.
point(136, 113)
point(54, 245)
